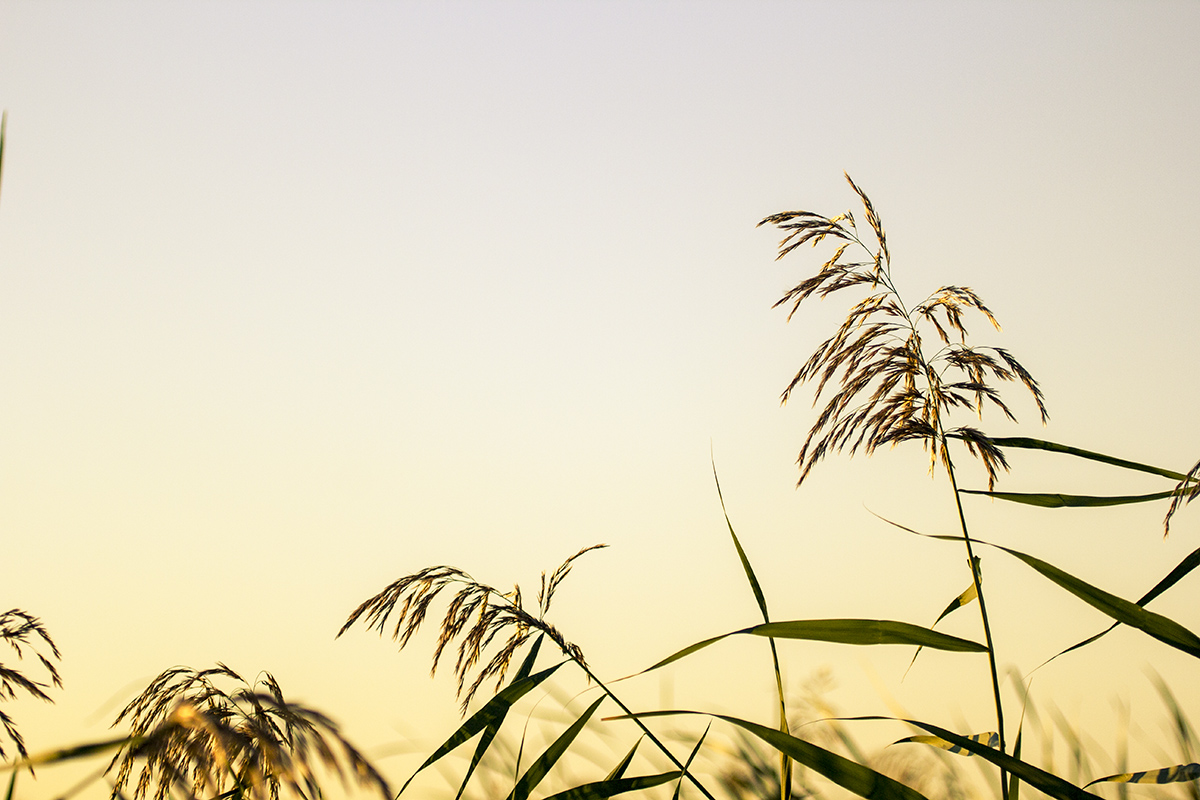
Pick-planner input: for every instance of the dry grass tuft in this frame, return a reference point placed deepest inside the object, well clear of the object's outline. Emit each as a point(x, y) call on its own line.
point(246, 743)
point(891, 385)
point(476, 616)
point(24, 633)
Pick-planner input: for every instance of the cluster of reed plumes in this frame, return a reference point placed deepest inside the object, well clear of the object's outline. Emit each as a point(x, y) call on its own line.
point(189, 733)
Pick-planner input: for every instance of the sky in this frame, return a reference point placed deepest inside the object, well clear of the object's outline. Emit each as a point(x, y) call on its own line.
point(299, 298)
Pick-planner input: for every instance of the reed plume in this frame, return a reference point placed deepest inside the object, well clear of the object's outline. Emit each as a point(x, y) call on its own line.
point(477, 616)
point(891, 386)
point(25, 633)
point(247, 743)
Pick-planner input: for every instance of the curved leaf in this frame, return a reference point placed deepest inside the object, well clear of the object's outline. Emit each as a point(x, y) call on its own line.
point(850, 775)
point(602, 789)
point(865, 632)
point(785, 767)
point(1176, 774)
point(842, 631)
point(990, 739)
point(1173, 577)
point(1039, 779)
point(1038, 444)
point(969, 594)
point(1165, 630)
point(1069, 500)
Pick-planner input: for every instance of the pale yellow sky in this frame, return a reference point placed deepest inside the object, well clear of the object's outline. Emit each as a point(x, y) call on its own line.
point(296, 299)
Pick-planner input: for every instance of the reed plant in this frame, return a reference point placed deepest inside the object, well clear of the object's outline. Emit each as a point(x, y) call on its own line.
point(891, 373)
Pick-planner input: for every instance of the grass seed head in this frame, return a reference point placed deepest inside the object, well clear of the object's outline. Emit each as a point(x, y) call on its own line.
point(882, 383)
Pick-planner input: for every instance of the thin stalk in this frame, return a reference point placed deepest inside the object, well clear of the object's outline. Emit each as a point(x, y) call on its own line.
point(785, 764)
point(987, 628)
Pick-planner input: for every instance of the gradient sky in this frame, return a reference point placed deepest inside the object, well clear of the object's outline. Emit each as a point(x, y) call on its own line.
point(298, 298)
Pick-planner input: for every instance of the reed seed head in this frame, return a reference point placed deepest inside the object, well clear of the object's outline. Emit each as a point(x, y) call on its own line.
point(477, 617)
point(193, 735)
point(893, 373)
point(25, 635)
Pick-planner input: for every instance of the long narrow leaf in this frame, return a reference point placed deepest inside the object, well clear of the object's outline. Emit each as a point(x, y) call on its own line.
point(850, 775)
point(619, 770)
point(1038, 444)
point(69, 753)
point(755, 587)
point(1165, 630)
point(1176, 774)
point(991, 739)
point(492, 729)
point(969, 594)
point(785, 767)
point(1069, 500)
point(542, 765)
point(1038, 778)
point(692, 757)
point(1173, 577)
point(490, 716)
point(1014, 783)
point(607, 788)
point(843, 631)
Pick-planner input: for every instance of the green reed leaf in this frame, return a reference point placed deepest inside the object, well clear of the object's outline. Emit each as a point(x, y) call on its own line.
point(614, 786)
point(1014, 783)
point(491, 730)
point(1175, 774)
point(850, 775)
point(1069, 500)
point(487, 719)
point(546, 761)
point(755, 587)
point(1039, 444)
point(1046, 782)
point(69, 753)
point(692, 757)
point(1173, 577)
point(1165, 630)
point(841, 631)
point(990, 739)
point(619, 770)
point(969, 594)
point(785, 769)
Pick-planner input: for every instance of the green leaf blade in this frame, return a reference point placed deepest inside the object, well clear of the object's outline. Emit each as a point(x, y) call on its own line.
point(1045, 500)
point(608, 788)
point(542, 765)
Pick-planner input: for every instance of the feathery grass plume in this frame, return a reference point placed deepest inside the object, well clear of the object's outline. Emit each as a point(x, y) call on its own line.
point(476, 616)
point(891, 385)
point(247, 743)
point(24, 632)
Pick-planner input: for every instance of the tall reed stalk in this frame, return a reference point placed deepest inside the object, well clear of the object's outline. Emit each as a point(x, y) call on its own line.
point(887, 384)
